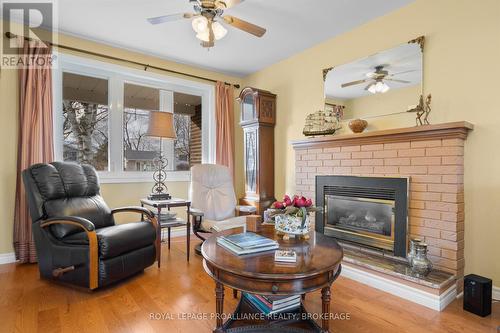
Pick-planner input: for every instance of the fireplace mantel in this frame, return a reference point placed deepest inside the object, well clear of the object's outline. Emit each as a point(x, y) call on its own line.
point(453, 130)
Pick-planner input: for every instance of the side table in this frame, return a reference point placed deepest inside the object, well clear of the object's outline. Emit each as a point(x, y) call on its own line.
point(168, 204)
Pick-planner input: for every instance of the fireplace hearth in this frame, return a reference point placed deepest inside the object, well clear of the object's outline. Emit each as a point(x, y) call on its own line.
point(367, 211)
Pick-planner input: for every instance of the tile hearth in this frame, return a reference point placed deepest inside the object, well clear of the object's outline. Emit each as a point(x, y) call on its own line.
point(394, 267)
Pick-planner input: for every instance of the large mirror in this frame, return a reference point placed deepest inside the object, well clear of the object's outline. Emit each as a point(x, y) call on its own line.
point(384, 83)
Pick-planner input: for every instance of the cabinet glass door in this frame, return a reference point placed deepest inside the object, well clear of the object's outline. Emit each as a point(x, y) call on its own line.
point(248, 108)
point(251, 160)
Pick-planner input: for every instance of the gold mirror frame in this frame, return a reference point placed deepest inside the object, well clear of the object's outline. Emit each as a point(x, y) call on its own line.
point(420, 40)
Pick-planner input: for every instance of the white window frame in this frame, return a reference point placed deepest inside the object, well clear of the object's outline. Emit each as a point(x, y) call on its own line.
point(118, 75)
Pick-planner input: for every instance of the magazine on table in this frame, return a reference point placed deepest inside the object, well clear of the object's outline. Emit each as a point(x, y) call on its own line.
point(247, 240)
point(240, 251)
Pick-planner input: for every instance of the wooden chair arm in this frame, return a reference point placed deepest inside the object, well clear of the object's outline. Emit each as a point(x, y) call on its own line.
point(89, 229)
point(73, 220)
point(152, 218)
point(253, 222)
point(134, 209)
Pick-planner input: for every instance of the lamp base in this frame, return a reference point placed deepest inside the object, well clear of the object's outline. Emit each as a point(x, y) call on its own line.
point(159, 196)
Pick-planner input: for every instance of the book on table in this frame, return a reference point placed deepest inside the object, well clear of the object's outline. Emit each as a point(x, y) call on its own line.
point(169, 222)
point(270, 305)
point(246, 243)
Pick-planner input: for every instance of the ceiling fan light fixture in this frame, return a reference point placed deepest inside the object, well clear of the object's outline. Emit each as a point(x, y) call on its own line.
point(200, 24)
point(219, 30)
point(203, 36)
point(382, 87)
point(371, 88)
point(378, 87)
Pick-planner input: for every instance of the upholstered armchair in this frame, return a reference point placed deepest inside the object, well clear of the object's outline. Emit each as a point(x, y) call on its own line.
point(213, 202)
point(76, 238)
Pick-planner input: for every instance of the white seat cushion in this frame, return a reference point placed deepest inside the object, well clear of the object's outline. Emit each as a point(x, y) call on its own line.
point(230, 223)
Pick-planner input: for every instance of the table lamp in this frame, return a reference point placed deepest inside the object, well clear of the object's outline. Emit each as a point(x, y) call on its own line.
point(161, 125)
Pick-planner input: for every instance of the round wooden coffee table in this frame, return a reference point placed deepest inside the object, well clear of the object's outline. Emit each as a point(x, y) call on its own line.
point(317, 266)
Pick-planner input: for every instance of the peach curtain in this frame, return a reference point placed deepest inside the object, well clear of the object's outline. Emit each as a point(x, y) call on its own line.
point(35, 140)
point(224, 118)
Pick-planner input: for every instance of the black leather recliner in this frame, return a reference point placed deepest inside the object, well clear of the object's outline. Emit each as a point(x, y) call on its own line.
point(76, 238)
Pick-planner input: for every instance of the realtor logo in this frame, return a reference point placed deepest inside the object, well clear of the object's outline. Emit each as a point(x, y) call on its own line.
point(30, 23)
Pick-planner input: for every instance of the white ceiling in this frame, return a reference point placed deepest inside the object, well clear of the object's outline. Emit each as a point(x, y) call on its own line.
point(402, 58)
point(292, 26)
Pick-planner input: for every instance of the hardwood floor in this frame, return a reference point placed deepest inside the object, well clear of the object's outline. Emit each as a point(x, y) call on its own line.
point(179, 291)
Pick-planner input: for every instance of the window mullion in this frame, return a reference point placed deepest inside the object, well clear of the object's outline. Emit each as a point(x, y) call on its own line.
point(116, 124)
point(57, 113)
point(167, 105)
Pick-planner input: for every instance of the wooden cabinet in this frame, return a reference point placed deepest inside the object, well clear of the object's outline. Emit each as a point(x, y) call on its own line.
point(258, 117)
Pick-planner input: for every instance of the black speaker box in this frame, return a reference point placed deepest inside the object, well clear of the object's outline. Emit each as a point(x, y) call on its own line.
point(477, 294)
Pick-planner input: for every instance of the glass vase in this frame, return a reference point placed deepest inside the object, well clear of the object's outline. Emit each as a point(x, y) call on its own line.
point(412, 253)
point(421, 264)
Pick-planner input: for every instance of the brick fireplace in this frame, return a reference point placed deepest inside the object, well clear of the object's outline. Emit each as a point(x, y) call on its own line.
point(431, 156)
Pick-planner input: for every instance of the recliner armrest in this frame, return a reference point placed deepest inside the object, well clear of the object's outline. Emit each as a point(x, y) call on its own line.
point(133, 209)
point(75, 220)
point(89, 229)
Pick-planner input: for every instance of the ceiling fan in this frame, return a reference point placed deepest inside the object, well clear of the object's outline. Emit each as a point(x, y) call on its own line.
point(377, 80)
point(206, 20)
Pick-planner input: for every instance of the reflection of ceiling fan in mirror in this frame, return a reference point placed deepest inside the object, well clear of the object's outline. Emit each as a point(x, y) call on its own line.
point(377, 80)
point(206, 20)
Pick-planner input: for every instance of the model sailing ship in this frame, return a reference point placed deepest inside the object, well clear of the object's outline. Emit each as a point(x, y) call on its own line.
point(321, 123)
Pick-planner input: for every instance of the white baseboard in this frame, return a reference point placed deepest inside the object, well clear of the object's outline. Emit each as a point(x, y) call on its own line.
point(7, 258)
point(496, 293)
point(435, 302)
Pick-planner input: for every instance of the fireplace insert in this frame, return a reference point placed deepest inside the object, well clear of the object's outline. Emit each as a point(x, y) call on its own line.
point(368, 211)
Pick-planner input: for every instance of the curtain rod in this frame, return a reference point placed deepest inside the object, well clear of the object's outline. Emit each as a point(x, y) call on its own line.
point(11, 35)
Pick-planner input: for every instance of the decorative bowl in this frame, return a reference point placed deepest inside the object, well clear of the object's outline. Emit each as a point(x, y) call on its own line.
point(291, 225)
point(358, 125)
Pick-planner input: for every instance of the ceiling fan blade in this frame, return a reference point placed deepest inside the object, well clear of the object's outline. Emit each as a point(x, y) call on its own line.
point(403, 72)
point(400, 81)
point(169, 18)
point(244, 25)
point(348, 84)
point(228, 3)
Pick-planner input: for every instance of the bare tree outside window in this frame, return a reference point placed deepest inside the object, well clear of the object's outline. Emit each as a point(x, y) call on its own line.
point(182, 125)
point(85, 127)
point(140, 150)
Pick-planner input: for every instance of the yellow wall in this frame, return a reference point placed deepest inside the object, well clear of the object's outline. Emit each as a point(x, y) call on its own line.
point(8, 152)
point(115, 194)
point(461, 71)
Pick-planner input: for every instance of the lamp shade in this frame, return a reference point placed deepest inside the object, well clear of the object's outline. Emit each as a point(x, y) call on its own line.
point(161, 125)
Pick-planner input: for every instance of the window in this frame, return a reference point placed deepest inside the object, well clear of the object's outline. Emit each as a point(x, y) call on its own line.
point(102, 114)
point(139, 150)
point(85, 116)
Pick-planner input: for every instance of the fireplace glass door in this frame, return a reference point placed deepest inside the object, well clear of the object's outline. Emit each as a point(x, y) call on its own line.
point(362, 220)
